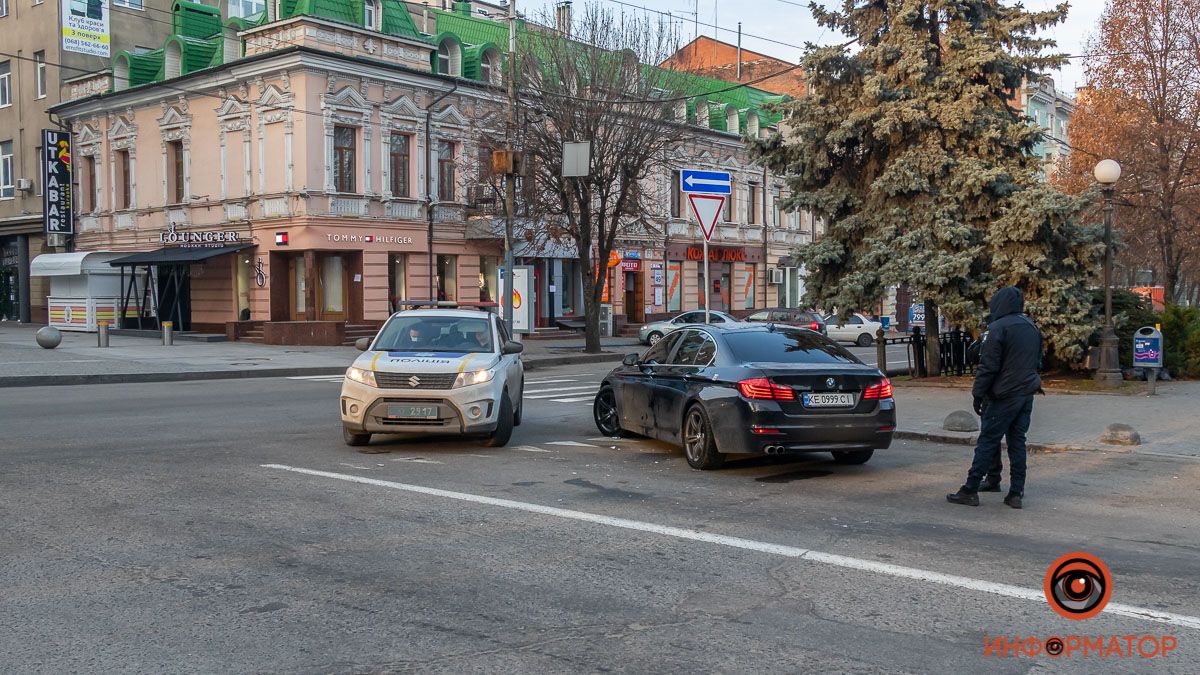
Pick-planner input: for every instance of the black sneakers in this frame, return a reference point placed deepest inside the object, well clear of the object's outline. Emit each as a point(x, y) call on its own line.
point(964, 496)
point(1013, 500)
point(989, 486)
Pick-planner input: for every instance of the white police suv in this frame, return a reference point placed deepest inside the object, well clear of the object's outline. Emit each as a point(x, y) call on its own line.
point(435, 371)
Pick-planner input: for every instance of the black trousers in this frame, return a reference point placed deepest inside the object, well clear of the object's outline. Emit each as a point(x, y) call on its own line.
point(1003, 419)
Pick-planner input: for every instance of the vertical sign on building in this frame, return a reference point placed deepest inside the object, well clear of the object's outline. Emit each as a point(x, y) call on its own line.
point(58, 212)
point(85, 27)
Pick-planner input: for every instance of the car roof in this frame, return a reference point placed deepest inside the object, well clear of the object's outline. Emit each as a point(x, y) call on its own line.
point(445, 313)
point(744, 327)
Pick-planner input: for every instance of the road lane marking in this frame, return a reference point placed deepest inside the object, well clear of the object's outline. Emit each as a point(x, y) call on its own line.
point(571, 444)
point(550, 381)
point(831, 559)
point(576, 387)
point(572, 400)
point(530, 448)
point(415, 460)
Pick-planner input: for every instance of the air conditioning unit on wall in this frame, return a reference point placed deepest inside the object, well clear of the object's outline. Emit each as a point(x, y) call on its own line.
point(24, 184)
point(775, 275)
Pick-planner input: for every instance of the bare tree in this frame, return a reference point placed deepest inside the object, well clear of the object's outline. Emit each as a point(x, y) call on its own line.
point(590, 83)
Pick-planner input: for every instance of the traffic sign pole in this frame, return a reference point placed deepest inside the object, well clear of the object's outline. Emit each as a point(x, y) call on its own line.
point(712, 186)
point(707, 288)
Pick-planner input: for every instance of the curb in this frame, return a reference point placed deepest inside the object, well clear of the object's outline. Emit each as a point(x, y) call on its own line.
point(1032, 448)
point(13, 381)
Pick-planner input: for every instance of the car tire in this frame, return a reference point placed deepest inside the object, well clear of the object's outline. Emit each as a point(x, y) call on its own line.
point(520, 408)
point(699, 446)
point(653, 338)
point(852, 456)
point(504, 425)
point(865, 340)
point(355, 440)
point(605, 413)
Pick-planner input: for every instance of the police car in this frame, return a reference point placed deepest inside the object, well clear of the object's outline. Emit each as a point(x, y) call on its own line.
point(435, 371)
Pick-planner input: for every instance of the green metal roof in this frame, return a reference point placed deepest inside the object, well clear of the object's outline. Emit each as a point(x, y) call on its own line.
point(143, 68)
point(195, 54)
point(472, 30)
point(473, 59)
point(192, 19)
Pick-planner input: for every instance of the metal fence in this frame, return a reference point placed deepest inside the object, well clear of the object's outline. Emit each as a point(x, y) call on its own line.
point(955, 355)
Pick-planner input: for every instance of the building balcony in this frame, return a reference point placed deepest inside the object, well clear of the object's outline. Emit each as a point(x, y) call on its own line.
point(680, 228)
point(124, 220)
point(346, 205)
point(177, 215)
point(275, 207)
point(449, 213)
point(236, 211)
point(404, 210)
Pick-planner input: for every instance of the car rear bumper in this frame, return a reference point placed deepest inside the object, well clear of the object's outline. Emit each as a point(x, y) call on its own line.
point(763, 429)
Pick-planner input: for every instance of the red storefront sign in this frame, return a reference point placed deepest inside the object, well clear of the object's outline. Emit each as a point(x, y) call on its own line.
point(716, 254)
point(631, 265)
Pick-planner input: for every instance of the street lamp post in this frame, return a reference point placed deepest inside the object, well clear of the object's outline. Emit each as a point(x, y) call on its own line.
point(1107, 173)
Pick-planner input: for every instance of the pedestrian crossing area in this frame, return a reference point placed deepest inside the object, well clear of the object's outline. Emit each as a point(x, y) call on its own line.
point(548, 389)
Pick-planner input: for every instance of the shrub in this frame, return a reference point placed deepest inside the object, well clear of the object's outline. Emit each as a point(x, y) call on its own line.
point(1181, 338)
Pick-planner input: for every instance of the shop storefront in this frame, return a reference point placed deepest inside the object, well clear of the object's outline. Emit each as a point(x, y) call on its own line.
point(734, 275)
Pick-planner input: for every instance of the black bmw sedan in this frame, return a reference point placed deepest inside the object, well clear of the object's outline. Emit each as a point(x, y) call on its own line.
point(749, 388)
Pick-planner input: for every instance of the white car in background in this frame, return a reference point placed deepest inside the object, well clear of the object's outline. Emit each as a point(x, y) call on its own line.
point(651, 333)
point(857, 328)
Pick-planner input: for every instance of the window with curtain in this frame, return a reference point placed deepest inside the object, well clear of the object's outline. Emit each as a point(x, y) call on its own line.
point(446, 171)
point(344, 141)
point(399, 157)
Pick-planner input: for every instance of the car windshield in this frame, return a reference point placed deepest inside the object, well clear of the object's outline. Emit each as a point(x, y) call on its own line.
point(786, 346)
point(435, 334)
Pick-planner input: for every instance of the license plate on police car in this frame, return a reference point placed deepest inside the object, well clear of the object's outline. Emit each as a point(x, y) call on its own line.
point(412, 412)
point(828, 400)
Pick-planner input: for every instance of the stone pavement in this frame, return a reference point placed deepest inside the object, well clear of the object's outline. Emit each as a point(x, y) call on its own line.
point(141, 359)
point(1166, 422)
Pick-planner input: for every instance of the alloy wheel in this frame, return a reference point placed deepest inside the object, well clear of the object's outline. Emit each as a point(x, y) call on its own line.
point(694, 436)
point(606, 413)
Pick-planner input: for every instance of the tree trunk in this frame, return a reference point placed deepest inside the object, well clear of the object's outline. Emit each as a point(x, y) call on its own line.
point(591, 309)
point(932, 347)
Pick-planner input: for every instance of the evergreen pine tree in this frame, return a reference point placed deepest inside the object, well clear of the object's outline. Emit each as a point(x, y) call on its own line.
point(910, 150)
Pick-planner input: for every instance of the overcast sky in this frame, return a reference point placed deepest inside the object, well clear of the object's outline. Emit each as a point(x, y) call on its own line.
point(781, 27)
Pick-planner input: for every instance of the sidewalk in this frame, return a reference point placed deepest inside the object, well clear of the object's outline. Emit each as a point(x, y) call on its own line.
point(140, 359)
point(1166, 422)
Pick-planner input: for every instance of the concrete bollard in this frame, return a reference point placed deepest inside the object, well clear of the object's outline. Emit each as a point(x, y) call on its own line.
point(102, 334)
point(48, 337)
point(881, 351)
point(168, 334)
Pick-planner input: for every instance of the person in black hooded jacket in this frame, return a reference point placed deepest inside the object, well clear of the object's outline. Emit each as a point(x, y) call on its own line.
point(1005, 381)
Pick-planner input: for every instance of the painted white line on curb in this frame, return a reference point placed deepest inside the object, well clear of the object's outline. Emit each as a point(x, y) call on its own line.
point(845, 562)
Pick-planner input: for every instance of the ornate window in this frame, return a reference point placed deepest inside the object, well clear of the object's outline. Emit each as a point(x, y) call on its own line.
point(344, 145)
point(371, 14)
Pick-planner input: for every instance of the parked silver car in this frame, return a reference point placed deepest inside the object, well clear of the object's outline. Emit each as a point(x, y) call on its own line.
point(651, 333)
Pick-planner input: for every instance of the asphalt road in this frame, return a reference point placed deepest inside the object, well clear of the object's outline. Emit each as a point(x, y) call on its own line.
point(173, 528)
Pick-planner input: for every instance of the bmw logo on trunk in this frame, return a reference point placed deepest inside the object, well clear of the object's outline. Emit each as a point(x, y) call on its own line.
point(830, 383)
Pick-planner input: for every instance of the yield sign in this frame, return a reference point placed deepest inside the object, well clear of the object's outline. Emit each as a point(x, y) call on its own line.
point(707, 209)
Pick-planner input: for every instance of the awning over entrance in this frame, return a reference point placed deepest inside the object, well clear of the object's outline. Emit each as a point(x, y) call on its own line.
point(70, 264)
point(177, 256)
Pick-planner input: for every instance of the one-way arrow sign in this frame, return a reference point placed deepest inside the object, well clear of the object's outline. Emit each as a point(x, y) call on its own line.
point(709, 182)
point(707, 209)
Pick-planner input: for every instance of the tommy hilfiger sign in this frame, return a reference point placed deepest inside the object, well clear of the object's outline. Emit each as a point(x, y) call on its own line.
point(370, 238)
point(198, 238)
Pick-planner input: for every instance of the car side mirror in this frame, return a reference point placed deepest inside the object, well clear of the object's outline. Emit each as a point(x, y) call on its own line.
point(512, 347)
point(630, 360)
point(362, 344)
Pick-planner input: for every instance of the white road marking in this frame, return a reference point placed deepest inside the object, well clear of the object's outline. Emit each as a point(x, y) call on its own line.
point(550, 381)
point(483, 456)
point(530, 448)
point(577, 387)
point(572, 400)
point(415, 460)
point(355, 466)
point(605, 439)
point(834, 560)
point(319, 378)
point(571, 444)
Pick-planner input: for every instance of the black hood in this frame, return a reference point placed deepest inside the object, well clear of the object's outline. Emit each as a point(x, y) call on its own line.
point(1007, 300)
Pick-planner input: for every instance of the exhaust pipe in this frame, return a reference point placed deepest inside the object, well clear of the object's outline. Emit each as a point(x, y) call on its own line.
point(774, 449)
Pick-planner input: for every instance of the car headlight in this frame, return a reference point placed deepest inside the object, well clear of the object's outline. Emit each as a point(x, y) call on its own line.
point(361, 376)
point(477, 377)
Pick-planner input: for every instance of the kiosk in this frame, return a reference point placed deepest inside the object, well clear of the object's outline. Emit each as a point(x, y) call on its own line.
point(84, 288)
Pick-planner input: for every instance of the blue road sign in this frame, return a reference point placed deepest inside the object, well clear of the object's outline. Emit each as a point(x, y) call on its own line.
point(708, 182)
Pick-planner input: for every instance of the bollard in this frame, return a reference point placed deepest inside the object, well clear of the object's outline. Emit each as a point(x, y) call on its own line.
point(102, 334)
point(881, 351)
point(1151, 381)
point(168, 334)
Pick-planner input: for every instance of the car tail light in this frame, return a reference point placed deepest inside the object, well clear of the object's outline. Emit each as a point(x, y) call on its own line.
point(880, 390)
point(761, 389)
point(764, 431)
point(815, 326)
